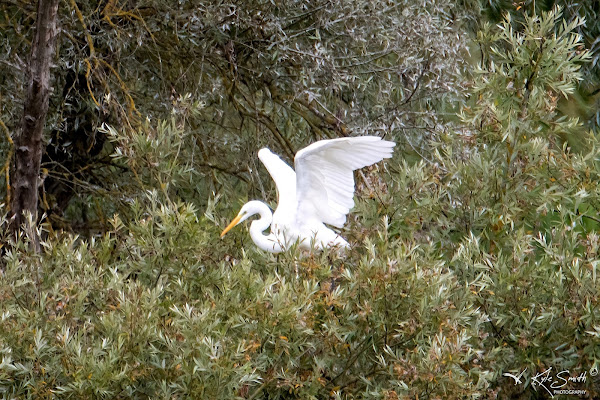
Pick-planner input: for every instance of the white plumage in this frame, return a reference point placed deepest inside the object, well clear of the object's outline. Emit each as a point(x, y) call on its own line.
point(320, 192)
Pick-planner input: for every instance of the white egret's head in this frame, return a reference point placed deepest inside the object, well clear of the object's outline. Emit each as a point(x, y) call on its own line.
point(246, 212)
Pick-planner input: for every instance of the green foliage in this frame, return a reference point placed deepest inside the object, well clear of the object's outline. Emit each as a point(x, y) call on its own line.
point(238, 76)
point(585, 103)
point(141, 312)
point(478, 260)
point(516, 208)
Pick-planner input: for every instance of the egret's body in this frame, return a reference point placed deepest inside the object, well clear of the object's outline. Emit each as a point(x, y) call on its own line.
point(319, 192)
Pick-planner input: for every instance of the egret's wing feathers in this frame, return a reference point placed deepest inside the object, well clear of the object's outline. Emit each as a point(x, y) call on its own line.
point(325, 179)
point(284, 177)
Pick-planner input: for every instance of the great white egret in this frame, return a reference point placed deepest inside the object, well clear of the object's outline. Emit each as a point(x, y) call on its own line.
point(319, 192)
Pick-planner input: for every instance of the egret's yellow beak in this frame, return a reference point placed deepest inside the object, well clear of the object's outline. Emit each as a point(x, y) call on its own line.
point(233, 223)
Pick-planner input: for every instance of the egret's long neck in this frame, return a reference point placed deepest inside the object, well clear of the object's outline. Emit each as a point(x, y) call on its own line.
point(265, 242)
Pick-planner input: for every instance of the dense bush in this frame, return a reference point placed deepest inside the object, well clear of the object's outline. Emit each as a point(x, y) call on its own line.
point(479, 260)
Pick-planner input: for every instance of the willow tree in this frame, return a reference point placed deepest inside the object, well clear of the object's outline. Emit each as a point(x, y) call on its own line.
point(230, 78)
point(28, 143)
point(585, 103)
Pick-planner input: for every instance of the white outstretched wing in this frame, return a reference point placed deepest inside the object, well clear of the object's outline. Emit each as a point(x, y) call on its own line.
point(325, 179)
point(285, 180)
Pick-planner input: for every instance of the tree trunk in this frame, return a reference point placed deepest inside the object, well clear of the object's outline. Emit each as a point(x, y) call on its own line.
point(28, 144)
